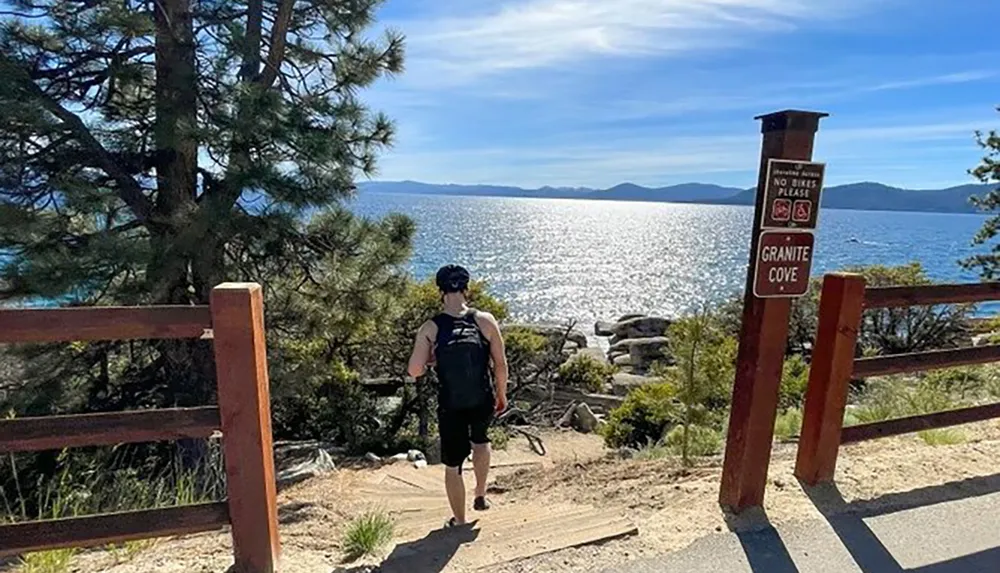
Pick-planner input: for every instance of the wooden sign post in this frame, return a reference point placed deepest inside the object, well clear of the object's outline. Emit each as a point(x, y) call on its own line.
point(787, 135)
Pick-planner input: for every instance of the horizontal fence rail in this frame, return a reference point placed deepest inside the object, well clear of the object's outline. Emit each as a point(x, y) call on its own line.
point(107, 429)
point(929, 360)
point(888, 297)
point(887, 428)
point(109, 528)
point(103, 323)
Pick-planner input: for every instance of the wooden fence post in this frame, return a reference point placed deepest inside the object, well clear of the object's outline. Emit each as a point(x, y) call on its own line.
point(789, 135)
point(245, 412)
point(840, 309)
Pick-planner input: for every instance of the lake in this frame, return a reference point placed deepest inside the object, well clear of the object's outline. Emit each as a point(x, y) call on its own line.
point(561, 259)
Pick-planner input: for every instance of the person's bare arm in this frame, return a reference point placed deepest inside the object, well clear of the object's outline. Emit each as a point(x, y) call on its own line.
point(498, 352)
point(423, 350)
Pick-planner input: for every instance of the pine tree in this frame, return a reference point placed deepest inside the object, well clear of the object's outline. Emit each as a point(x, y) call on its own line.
point(151, 150)
point(988, 171)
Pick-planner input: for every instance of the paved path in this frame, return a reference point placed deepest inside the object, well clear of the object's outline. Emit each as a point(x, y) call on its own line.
point(952, 535)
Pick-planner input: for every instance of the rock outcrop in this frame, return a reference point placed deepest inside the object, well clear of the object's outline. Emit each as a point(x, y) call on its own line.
point(580, 417)
point(299, 461)
point(644, 352)
point(637, 342)
point(639, 327)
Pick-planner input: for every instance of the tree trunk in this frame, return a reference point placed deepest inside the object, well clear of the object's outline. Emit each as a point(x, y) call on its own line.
point(189, 369)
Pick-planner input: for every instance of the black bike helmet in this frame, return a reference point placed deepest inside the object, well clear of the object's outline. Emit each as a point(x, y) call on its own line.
point(452, 278)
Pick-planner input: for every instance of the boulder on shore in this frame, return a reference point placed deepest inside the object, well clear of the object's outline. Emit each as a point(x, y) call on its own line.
point(640, 327)
point(622, 360)
point(624, 346)
point(645, 351)
point(602, 328)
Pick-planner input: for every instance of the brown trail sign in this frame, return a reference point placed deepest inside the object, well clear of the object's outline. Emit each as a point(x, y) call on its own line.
point(784, 260)
point(791, 194)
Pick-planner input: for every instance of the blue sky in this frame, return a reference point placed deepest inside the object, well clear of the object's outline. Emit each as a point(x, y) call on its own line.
point(657, 92)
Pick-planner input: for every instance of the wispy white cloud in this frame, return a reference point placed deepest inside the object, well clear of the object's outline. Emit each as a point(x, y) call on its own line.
point(530, 34)
point(693, 98)
point(936, 80)
point(855, 152)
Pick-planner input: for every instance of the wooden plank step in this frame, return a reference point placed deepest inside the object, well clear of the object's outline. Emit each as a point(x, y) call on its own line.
point(493, 547)
point(427, 479)
point(530, 526)
point(520, 548)
point(504, 523)
point(394, 506)
point(399, 494)
point(557, 529)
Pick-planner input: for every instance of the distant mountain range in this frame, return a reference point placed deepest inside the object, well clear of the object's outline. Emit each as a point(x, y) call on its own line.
point(859, 196)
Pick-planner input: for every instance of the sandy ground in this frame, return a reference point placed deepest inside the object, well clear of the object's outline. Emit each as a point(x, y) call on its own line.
point(671, 505)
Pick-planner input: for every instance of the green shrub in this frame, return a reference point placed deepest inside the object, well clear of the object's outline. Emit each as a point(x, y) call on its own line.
point(125, 552)
point(992, 386)
point(794, 381)
point(52, 561)
point(704, 373)
point(526, 350)
point(961, 383)
point(942, 437)
point(699, 441)
point(644, 416)
point(653, 451)
point(586, 373)
point(897, 397)
point(366, 534)
point(499, 437)
point(788, 424)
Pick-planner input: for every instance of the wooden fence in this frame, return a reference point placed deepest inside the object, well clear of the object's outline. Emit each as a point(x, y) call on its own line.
point(235, 319)
point(844, 298)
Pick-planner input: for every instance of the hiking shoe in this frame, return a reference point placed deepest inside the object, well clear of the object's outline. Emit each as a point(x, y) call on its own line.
point(480, 504)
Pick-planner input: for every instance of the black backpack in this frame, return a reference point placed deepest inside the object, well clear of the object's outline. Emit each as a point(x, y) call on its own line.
point(462, 356)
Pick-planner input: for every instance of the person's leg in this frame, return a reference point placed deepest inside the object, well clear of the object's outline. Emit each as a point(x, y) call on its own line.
point(454, 450)
point(481, 464)
point(481, 454)
point(455, 486)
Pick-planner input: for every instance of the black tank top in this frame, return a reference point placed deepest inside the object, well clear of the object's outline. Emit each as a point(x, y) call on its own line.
point(462, 354)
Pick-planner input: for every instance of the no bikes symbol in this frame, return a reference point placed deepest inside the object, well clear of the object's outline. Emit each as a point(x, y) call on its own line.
point(785, 210)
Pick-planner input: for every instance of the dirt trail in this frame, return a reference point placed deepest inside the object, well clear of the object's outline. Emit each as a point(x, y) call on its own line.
point(670, 505)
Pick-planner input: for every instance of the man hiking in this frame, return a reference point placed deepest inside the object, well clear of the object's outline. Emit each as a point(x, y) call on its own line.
point(462, 344)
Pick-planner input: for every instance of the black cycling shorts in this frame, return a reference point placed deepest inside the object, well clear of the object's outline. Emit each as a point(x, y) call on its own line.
point(459, 429)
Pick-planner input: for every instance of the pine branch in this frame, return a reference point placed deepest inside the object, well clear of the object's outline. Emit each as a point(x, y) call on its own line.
point(128, 189)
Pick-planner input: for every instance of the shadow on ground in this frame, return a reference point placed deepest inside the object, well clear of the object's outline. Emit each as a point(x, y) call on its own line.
point(431, 554)
point(766, 552)
point(761, 542)
point(868, 551)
